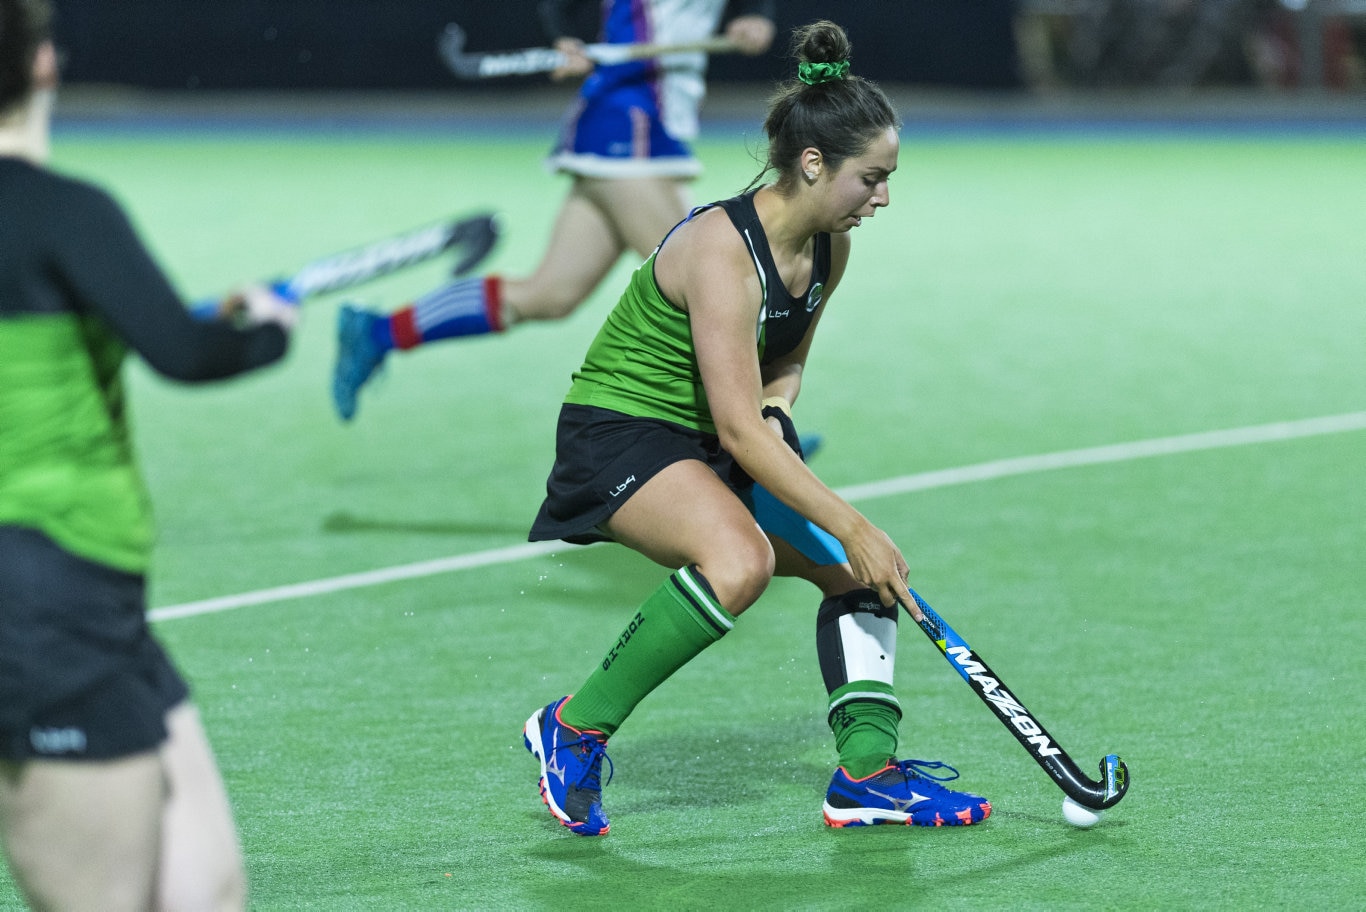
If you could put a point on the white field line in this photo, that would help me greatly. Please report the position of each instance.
(1118, 452)
(358, 580)
(921, 481)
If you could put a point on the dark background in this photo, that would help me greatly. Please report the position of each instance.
(391, 44)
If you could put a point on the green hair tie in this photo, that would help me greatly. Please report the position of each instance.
(817, 73)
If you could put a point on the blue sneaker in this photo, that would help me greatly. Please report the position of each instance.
(358, 357)
(571, 769)
(905, 791)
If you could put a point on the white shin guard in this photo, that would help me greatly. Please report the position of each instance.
(856, 642)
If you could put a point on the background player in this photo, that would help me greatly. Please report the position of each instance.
(625, 146)
(110, 798)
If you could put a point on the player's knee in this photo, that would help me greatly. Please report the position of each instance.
(741, 571)
(553, 301)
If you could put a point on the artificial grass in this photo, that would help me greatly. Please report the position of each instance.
(1198, 614)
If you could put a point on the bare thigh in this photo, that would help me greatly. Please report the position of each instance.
(685, 516)
(583, 247)
(599, 220)
(201, 860)
(153, 830)
(84, 835)
(641, 210)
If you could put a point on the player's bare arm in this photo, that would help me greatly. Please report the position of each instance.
(706, 269)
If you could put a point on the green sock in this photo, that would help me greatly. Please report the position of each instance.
(676, 623)
(864, 717)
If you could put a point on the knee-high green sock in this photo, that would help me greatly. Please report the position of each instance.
(676, 623)
(864, 717)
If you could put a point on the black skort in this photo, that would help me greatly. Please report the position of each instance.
(602, 457)
(81, 677)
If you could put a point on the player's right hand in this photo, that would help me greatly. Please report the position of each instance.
(877, 563)
(751, 35)
(254, 305)
(576, 62)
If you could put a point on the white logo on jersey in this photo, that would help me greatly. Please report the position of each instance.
(813, 297)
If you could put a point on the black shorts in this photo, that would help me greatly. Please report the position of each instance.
(80, 675)
(602, 457)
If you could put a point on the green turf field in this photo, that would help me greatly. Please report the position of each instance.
(1199, 613)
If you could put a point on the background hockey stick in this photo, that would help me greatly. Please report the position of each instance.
(494, 64)
(474, 235)
(1114, 775)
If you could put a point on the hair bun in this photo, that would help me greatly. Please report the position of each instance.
(821, 42)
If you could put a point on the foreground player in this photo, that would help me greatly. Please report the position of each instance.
(676, 408)
(109, 795)
(624, 145)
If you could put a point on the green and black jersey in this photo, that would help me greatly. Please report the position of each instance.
(77, 289)
(642, 362)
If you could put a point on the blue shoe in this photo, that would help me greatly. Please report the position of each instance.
(904, 791)
(358, 357)
(571, 769)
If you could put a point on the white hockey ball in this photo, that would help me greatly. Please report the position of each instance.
(1077, 815)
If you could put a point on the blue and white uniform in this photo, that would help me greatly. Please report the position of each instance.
(636, 119)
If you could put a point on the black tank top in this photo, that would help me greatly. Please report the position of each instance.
(784, 319)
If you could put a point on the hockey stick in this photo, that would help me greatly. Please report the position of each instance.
(1114, 775)
(475, 235)
(491, 65)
